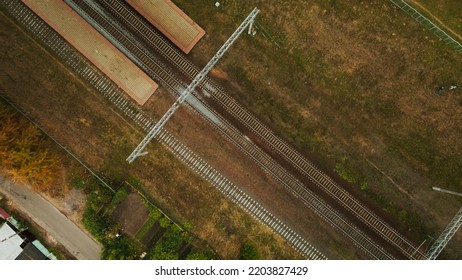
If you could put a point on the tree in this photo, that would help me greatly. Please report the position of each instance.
(23, 153)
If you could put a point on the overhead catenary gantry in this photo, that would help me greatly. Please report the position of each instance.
(448, 233)
(445, 236)
(196, 81)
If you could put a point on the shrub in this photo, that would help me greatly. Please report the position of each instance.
(249, 251)
(120, 248)
(165, 222)
(167, 247)
(155, 214)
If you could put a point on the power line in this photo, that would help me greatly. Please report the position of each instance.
(197, 80)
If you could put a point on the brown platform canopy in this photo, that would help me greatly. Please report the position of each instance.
(95, 47)
(171, 21)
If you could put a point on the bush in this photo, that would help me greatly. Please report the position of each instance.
(120, 248)
(345, 169)
(95, 224)
(249, 251)
(155, 214)
(120, 195)
(167, 247)
(165, 222)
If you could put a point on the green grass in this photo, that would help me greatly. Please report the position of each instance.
(342, 71)
(144, 229)
(448, 11)
(168, 246)
(348, 172)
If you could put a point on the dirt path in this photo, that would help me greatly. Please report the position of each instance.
(441, 23)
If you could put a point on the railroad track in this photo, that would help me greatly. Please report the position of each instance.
(118, 34)
(143, 29)
(74, 60)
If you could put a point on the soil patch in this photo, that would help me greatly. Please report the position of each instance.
(131, 214)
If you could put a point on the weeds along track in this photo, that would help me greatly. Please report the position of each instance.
(116, 32)
(74, 60)
(143, 29)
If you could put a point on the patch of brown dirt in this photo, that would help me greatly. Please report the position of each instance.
(131, 214)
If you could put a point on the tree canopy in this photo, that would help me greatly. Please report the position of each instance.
(23, 153)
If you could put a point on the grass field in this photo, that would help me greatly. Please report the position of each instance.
(357, 81)
(447, 11)
(352, 85)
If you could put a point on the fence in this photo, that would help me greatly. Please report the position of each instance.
(445, 37)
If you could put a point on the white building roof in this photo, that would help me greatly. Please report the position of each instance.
(9, 243)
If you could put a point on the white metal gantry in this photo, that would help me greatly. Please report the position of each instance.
(197, 80)
(444, 238)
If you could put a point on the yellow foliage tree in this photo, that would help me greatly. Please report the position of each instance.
(22, 152)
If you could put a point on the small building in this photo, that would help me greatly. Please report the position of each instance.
(30, 252)
(10, 243)
(3, 214)
(16, 243)
(35, 251)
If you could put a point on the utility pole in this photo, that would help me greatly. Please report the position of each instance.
(197, 80)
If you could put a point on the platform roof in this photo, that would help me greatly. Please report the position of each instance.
(95, 47)
(171, 21)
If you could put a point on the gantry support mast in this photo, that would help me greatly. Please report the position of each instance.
(197, 80)
(444, 238)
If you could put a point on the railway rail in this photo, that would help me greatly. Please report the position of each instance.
(155, 40)
(74, 60)
(118, 34)
(237, 111)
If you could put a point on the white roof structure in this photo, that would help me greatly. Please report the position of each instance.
(9, 243)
